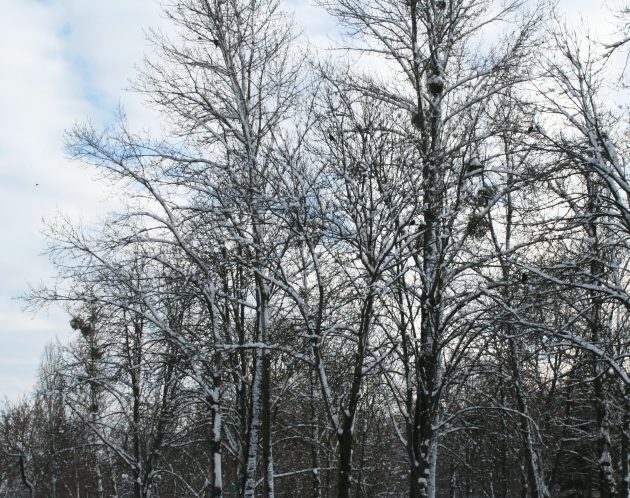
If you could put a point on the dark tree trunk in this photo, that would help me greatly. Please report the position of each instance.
(625, 447)
(315, 462)
(266, 424)
(344, 480)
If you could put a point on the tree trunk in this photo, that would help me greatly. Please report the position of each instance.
(607, 487)
(315, 462)
(433, 453)
(215, 445)
(28, 484)
(598, 336)
(266, 424)
(625, 447)
(257, 386)
(254, 427)
(344, 480)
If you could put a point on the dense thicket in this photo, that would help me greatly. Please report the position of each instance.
(398, 275)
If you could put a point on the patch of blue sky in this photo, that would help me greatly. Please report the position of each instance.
(85, 72)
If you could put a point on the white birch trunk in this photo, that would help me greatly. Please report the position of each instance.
(254, 431)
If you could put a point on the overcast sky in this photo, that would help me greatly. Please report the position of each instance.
(61, 62)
